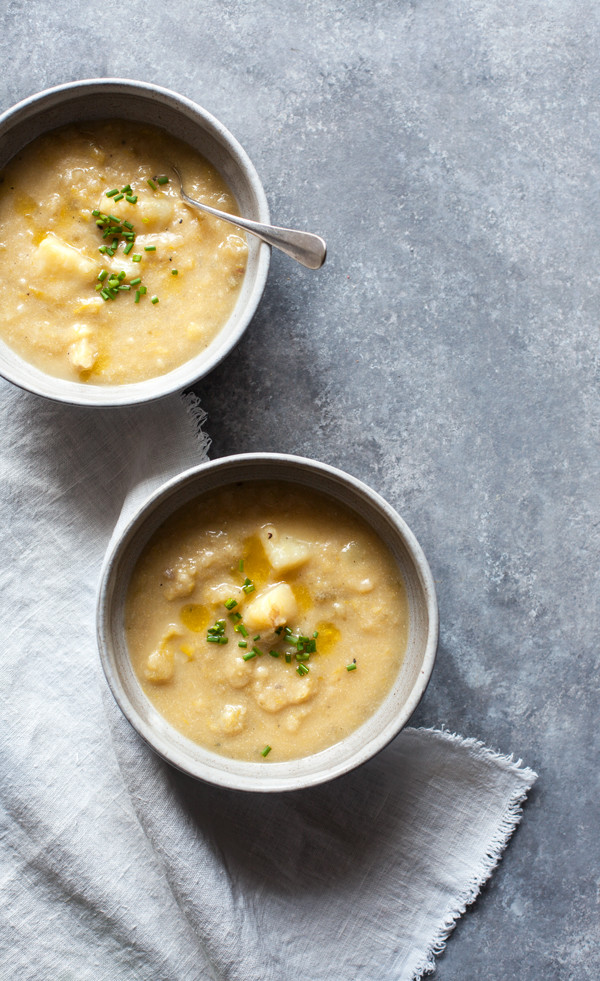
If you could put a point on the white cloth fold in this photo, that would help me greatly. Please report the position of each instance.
(115, 866)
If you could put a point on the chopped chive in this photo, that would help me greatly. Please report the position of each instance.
(149, 248)
(114, 218)
(137, 296)
(240, 629)
(230, 603)
(128, 249)
(249, 656)
(223, 640)
(111, 194)
(274, 653)
(302, 670)
(316, 633)
(96, 213)
(109, 252)
(126, 189)
(98, 286)
(257, 637)
(104, 295)
(248, 585)
(119, 197)
(212, 639)
(102, 274)
(288, 658)
(132, 198)
(235, 617)
(242, 643)
(100, 223)
(122, 274)
(351, 667)
(143, 290)
(102, 249)
(151, 183)
(128, 225)
(136, 257)
(125, 287)
(256, 651)
(288, 632)
(135, 281)
(115, 243)
(154, 299)
(174, 272)
(241, 565)
(266, 751)
(162, 180)
(302, 657)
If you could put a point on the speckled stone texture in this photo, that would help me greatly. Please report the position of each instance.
(447, 353)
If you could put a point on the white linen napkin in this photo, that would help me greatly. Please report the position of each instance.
(114, 865)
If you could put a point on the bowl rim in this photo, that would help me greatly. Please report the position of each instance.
(284, 778)
(30, 378)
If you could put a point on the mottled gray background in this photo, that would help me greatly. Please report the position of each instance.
(447, 353)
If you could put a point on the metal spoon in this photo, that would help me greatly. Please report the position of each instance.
(306, 248)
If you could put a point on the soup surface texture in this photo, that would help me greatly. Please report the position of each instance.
(266, 621)
(115, 287)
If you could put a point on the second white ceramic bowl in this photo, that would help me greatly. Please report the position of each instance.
(110, 98)
(391, 715)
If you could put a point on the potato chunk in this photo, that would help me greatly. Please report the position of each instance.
(160, 665)
(239, 673)
(272, 608)
(154, 211)
(232, 718)
(180, 580)
(82, 354)
(56, 258)
(277, 695)
(283, 551)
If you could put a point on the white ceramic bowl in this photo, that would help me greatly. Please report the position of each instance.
(360, 745)
(110, 98)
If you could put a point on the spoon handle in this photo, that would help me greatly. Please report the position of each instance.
(305, 247)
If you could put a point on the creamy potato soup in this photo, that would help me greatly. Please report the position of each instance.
(106, 276)
(266, 621)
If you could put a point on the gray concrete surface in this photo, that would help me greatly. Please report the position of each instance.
(447, 353)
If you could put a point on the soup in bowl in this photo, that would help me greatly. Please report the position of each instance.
(267, 622)
(114, 291)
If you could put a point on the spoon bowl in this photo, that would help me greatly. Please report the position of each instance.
(308, 249)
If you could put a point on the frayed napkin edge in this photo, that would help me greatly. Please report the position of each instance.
(197, 416)
(513, 812)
